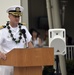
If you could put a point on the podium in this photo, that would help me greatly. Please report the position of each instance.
(29, 61)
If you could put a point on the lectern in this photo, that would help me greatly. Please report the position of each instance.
(29, 61)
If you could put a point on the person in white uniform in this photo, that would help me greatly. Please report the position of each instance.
(13, 35)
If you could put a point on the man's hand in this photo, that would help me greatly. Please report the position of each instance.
(30, 45)
(2, 56)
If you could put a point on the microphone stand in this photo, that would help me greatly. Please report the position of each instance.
(57, 66)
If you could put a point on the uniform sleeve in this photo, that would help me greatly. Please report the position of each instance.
(28, 35)
(1, 37)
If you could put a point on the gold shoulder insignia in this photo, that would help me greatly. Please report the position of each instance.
(24, 24)
(2, 26)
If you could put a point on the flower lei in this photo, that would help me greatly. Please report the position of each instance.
(20, 34)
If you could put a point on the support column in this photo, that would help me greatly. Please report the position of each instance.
(50, 18)
(57, 24)
(24, 18)
(55, 14)
(49, 13)
(62, 65)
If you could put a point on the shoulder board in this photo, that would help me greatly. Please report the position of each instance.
(2, 26)
(24, 24)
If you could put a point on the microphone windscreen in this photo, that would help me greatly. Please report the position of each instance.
(23, 31)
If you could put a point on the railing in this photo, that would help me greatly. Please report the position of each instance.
(70, 52)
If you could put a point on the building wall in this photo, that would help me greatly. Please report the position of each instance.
(69, 18)
(3, 7)
(37, 8)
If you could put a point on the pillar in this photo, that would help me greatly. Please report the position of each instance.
(56, 24)
(24, 18)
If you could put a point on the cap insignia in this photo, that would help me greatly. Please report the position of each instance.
(17, 9)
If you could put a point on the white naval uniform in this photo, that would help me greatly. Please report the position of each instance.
(7, 44)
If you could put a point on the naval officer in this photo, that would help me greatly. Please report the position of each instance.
(13, 35)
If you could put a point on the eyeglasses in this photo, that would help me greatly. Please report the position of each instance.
(17, 16)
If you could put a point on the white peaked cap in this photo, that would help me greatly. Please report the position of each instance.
(13, 8)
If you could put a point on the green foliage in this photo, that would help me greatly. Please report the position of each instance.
(48, 70)
(70, 67)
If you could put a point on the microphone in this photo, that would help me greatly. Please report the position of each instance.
(23, 32)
